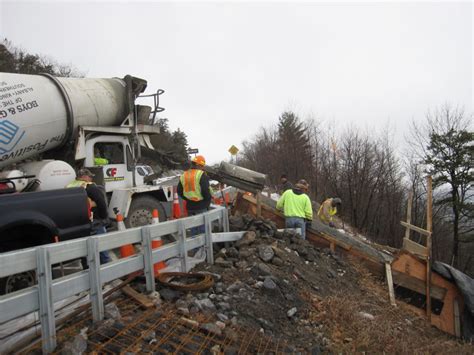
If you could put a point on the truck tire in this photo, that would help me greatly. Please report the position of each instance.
(17, 282)
(141, 211)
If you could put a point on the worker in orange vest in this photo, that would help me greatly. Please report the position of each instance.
(193, 187)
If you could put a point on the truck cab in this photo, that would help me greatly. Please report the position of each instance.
(131, 188)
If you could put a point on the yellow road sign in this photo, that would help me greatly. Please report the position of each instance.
(233, 150)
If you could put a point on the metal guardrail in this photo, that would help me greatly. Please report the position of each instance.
(42, 296)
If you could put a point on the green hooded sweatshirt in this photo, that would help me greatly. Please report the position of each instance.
(295, 204)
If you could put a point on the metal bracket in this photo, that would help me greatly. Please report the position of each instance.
(45, 300)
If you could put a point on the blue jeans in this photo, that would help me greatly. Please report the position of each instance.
(296, 222)
(103, 255)
(199, 229)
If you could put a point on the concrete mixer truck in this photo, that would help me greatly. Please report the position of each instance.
(50, 126)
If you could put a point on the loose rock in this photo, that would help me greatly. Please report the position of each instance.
(212, 328)
(366, 316)
(291, 312)
(111, 311)
(247, 239)
(269, 284)
(265, 252)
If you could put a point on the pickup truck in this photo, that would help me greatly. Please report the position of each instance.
(35, 218)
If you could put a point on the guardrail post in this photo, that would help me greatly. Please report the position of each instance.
(148, 259)
(226, 220)
(95, 282)
(46, 306)
(221, 220)
(209, 248)
(182, 246)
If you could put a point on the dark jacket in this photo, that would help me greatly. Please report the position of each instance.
(206, 194)
(97, 195)
(286, 186)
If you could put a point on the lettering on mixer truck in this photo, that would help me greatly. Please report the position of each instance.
(38, 147)
(10, 95)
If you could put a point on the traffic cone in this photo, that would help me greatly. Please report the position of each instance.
(156, 216)
(128, 249)
(156, 243)
(176, 208)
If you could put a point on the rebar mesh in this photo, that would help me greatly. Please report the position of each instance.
(162, 331)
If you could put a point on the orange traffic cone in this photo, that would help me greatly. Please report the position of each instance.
(156, 216)
(156, 243)
(176, 208)
(128, 249)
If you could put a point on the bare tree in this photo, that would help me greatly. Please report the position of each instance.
(444, 144)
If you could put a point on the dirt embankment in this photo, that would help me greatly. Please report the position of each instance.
(275, 286)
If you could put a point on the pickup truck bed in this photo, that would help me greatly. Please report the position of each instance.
(35, 218)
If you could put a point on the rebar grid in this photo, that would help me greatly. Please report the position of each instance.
(162, 331)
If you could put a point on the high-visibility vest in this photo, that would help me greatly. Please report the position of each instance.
(100, 161)
(332, 211)
(78, 183)
(190, 181)
(83, 184)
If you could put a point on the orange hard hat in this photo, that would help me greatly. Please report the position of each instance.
(199, 160)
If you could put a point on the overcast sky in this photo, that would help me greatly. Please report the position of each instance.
(230, 67)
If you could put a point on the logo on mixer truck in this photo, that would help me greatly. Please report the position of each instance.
(111, 175)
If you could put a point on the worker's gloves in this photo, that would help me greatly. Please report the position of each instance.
(308, 223)
(332, 225)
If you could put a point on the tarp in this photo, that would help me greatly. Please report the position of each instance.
(466, 286)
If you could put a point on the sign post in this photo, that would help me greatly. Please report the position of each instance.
(233, 150)
(192, 151)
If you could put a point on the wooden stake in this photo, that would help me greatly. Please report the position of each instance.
(410, 201)
(391, 292)
(139, 297)
(429, 228)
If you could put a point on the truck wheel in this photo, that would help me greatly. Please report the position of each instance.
(141, 211)
(17, 282)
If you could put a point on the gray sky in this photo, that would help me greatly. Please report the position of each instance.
(230, 67)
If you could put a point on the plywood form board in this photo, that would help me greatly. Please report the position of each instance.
(415, 248)
(411, 267)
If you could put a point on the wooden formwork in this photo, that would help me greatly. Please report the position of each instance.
(407, 269)
(409, 272)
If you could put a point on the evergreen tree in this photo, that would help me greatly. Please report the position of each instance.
(294, 146)
(450, 157)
